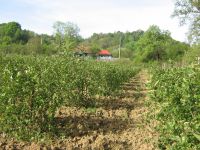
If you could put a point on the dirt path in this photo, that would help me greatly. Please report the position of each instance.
(117, 124)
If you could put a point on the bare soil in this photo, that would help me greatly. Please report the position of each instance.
(117, 123)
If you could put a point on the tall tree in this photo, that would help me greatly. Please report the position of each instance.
(158, 45)
(188, 11)
(11, 32)
(151, 45)
(66, 35)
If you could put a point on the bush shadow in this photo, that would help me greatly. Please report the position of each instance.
(73, 126)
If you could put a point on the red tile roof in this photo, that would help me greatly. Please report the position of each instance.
(104, 52)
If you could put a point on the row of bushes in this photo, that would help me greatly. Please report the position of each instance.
(33, 88)
(177, 93)
(28, 49)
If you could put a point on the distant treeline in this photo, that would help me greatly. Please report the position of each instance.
(154, 44)
(141, 46)
(15, 40)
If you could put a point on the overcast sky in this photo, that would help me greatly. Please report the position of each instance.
(93, 16)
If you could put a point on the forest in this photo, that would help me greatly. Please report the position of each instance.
(141, 46)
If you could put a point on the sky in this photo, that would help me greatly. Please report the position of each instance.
(93, 16)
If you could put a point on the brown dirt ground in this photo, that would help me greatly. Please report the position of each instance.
(118, 123)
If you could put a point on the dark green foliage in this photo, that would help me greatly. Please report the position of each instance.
(140, 46)
(33, 88)
(157, 45)
(111, 41)
(14, 40)
(192, 54)
(12, 33)
(176, 50)
(177, 92)
(31, 91)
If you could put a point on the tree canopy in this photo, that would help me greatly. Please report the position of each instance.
(188, 12)
(157, 44)
(111, 41)
(66, 35)
(12, 33)
(153, 45)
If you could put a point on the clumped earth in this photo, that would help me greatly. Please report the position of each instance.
(117, 123)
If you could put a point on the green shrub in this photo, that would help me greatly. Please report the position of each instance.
(177, 91)
(33, 88)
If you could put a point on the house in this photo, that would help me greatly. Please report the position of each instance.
(104, 55)
(85, 55)
(83, 51)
